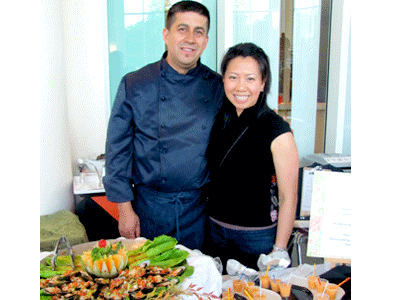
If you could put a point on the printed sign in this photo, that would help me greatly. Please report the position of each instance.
(330, 219)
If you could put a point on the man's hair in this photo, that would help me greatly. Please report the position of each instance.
(187, 6)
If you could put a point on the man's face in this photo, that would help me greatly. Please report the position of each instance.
(186, 40)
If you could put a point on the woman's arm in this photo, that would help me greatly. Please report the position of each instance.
(286, 162)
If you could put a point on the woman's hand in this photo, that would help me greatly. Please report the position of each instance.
(274, 258)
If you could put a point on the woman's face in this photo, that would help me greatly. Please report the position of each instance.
(243, 82)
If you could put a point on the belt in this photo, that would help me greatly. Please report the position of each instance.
(237, 227)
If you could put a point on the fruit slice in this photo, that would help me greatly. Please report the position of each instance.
(109, 264)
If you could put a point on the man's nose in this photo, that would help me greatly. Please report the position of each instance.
(189, 36)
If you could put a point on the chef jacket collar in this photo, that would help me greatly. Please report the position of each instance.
(165, 67)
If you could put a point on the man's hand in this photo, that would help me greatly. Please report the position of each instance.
(129, 222)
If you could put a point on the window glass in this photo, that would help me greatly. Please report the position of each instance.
(135, 36)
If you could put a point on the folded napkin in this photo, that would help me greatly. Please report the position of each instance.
(62, 223)
(205, 274)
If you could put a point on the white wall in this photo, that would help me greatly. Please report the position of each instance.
(74, 84)
(55, 149)
(85, 31)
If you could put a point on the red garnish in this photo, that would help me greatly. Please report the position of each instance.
(102, 243)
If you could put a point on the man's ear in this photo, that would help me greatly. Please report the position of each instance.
(165, 34)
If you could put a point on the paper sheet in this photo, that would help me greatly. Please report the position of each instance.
(330, 221)
(306, 192)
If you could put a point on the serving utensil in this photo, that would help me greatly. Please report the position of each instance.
(62, 240)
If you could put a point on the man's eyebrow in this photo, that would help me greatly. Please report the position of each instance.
(200, 28)
(196, 28)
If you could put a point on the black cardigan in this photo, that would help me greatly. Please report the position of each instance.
(241, 165)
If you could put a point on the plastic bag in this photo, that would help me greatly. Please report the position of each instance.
(235, 268)
(218, 264)
(275, 259)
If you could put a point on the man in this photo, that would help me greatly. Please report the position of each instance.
(158, 134)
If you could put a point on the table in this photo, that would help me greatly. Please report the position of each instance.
(87, 183)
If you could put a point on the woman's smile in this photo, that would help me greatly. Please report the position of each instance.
(243, 82)
(241, 98)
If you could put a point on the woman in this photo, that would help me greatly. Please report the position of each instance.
(250, 146)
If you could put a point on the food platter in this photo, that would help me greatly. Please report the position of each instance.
(184, 276)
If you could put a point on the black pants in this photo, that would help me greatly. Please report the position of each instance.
(98, 223)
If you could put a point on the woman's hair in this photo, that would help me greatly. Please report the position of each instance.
(187, 6)
(252, 50)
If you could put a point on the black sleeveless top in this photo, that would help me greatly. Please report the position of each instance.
(241, 165)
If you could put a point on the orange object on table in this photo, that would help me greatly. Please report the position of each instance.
(265, 282)
(253, 290)
(285, 289)
(238, 285)
(275, 285)
(321, 285)
(331, 290)
(110, 207)
(312, 282)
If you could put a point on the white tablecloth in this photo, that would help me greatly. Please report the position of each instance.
(205, 273)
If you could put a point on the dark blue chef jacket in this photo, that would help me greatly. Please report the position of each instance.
(157, 137)
(159, 130)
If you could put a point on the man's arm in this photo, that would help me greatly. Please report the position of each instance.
(119, 162)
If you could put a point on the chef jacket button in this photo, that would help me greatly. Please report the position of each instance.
(164, 180)
(203, 127)
(206, 101)
(201, 154)
(163, 98)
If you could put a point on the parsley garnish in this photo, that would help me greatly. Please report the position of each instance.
(98, 253)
